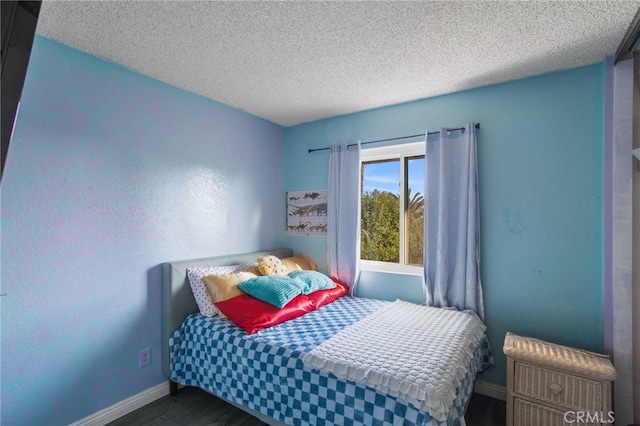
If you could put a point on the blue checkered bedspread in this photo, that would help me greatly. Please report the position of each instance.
(265, 372)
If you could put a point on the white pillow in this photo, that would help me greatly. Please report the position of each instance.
(199, 288)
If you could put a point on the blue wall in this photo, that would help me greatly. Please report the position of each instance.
(541, 173)
(109, 174)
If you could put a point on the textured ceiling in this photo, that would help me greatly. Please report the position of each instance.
(293, 62)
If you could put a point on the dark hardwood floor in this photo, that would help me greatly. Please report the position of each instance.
(486, 411)
(195, 407)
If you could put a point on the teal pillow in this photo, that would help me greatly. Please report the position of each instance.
(311, 281)
(277, 290)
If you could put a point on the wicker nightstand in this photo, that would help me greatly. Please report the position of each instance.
(550, 384)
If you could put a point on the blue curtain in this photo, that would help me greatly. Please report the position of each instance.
(452, 224)
(343, 214)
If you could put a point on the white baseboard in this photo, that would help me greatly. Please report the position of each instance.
(125, 406)
(490, 390)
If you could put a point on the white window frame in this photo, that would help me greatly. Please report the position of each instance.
(393, 152)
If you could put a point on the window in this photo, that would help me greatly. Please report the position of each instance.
(392, 208)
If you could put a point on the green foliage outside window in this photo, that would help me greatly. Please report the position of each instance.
(380, 227)
(415, 229)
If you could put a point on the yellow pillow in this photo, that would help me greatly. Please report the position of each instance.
(225, 286)
(272, 265)
(255, 270)
(301, 262)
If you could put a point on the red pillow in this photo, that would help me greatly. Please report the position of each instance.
(253, 315)
(322, 297)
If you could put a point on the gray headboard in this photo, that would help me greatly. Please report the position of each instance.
(177, 299)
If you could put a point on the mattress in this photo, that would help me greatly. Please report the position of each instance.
(265, 372)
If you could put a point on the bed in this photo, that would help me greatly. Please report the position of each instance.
(277, 374)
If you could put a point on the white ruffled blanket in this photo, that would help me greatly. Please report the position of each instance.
(413, 352)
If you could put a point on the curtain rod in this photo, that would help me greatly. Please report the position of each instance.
(310, 150)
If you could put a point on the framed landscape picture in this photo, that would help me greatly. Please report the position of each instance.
(307, 213)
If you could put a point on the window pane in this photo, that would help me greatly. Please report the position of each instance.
(414, 222)
(380, 220)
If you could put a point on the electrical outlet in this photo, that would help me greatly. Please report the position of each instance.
(145, 357)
